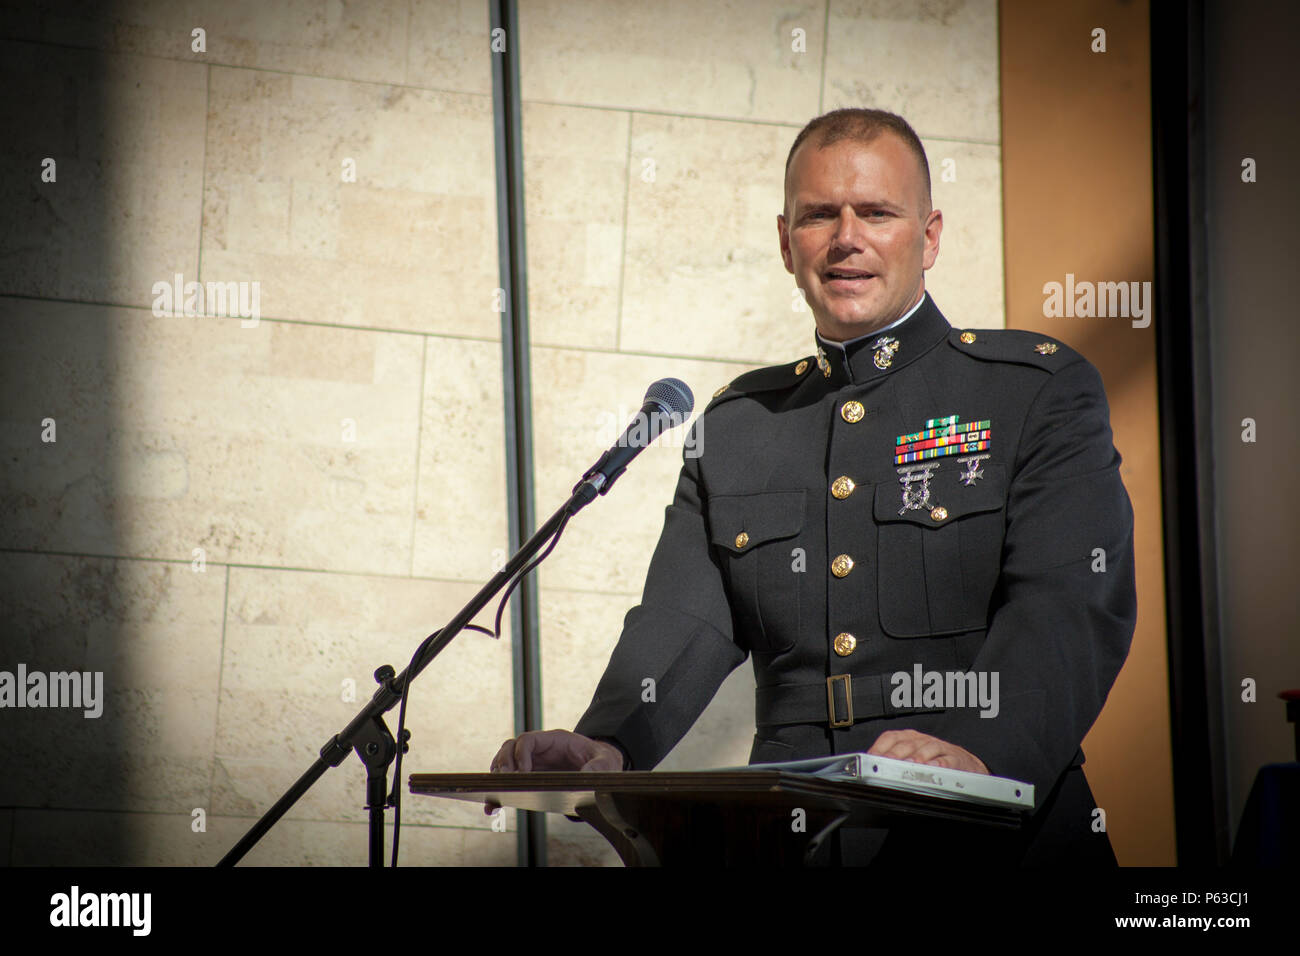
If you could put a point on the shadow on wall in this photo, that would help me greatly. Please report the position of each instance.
(68, 722)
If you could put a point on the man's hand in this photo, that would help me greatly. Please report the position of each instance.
(554, 750)
(922, 748)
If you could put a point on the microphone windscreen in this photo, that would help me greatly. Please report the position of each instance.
(672, 395)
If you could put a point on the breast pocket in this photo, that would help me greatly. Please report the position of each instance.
(938, 568)
(756, 535)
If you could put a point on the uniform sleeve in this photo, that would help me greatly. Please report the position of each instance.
(676, 647)
(1059, 626)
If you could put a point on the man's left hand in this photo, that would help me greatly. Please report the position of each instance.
(922, 748)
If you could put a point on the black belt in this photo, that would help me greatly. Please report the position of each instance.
(856, 698)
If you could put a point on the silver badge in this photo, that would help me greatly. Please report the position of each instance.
(973, 469)
(823, 362)
(885, 347)
(915, 498)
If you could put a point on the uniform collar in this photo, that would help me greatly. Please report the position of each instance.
(883, 352)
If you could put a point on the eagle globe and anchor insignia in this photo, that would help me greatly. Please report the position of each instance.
(885, 347)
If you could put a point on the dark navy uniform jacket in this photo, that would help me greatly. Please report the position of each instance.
(794, 538)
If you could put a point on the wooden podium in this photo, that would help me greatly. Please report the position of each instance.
(713, 817)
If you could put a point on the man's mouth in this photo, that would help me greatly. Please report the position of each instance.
(847, 279)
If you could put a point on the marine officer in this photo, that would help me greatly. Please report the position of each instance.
(911, 499)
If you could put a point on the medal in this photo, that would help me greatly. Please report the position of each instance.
(973, 470)
(915, 498)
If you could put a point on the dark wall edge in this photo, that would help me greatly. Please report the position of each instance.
(1178, 115)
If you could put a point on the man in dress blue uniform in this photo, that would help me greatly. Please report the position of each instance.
(911, 499)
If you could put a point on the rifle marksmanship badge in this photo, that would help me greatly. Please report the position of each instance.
(944, 436)
(915, 480)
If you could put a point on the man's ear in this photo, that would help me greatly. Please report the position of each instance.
(783, 235)
(933, 228)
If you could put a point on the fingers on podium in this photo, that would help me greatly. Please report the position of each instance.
(505, 757)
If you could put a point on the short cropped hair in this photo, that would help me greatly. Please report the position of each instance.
(864, 126)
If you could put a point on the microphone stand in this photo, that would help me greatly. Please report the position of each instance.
(367, 734)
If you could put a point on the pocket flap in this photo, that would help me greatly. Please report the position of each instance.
(739, 522)
(987, 493)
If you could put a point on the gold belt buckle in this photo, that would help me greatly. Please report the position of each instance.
(848, 699)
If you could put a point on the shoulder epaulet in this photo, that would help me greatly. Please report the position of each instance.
(1014, 345)
(765, 380)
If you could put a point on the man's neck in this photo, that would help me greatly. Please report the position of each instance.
(892, 325)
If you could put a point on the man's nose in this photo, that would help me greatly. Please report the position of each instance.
(848, 231)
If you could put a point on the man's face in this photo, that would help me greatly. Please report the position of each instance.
(859, 234)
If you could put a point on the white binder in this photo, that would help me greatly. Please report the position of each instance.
(890, 774)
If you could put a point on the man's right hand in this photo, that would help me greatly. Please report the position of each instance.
(554, 750)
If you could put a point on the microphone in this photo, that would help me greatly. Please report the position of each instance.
(668, 403)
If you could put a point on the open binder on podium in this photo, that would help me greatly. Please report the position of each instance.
(903, 775)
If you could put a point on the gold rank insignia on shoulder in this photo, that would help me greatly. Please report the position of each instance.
(968, 337)
(1046, 348)
(801, 367)
(943, 436)
(886, 347)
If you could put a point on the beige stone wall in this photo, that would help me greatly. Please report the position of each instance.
(237, 520)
